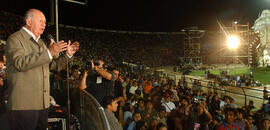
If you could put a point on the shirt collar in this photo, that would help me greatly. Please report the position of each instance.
(30, 33)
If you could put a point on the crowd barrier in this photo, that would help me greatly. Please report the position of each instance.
(239, 93)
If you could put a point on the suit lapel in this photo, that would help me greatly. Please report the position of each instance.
(36, 46)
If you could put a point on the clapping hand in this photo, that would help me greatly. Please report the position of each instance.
(56, 48)
(72, 47)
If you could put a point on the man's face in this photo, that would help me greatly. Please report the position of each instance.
(184, 102)
(116, 73)
(230, 117)
(141, 104)
(199, 110)
(137, 117)
(250, 119)
(113, 106)
(162, 114)
(168, 99)
(239, 115)
(36, 23)
(149, 105)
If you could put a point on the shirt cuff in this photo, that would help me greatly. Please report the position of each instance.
(68, 55)
(50, 55)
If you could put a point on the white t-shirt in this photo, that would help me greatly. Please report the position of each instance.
(169, 106)
(132, 89)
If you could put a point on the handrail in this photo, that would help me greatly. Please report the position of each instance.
(233, 92)
(97, 118)
(230, 91)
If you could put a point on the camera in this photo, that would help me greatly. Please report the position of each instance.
(195, 101)
(88, 65)
(96, 62)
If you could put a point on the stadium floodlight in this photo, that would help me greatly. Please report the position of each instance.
(233, 42)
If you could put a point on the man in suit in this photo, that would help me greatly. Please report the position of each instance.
(28, 61)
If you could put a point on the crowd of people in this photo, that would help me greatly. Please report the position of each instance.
(135, 100)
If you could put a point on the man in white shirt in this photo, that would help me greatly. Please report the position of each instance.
(168, 104)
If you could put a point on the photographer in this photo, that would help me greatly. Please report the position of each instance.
(198, 116)
(98, 81)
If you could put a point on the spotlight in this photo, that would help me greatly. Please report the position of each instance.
(233, 42)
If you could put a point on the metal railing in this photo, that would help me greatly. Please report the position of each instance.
(90, 112)
(246, 93)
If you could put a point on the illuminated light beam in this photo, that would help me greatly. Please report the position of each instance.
(223, 29)
(233, 42)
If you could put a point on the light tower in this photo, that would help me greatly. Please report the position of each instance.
(262, 26)
(234, 44)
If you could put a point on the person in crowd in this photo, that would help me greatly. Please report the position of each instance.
(214, 108)
(134, 87)
(267, 106)
(168, 104)
(228, 122)
(119, 89)
(141, 125)
(250, 120)
(140, 106)
(213, 124)
(110, 105)
(136, 118)
(178, 115)
(149, 113)
(265, 93)
(128, 86)
(198, 116)
(226, 101)
(100, 82)
(250, 107)
(241, 122)
(125, 82)
(232, 103)
(161, 126)
(148, 87)
(265, 124)
(174, 95)
(198, 95)
(153, 123)
(128, 110)
(162, 116)
(28, 61)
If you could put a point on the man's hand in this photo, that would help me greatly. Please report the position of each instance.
(92, 64)
(72, 48)
(85, 73)
(57, 47)
(119, 99)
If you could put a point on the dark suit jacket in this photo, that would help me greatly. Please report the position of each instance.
(27, 72)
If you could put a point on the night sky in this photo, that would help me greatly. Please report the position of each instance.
(147, 15)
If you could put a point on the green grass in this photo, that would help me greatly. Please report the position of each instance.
(261, 74)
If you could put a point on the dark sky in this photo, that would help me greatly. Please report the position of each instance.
(147, 15)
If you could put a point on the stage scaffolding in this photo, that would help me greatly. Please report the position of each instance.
(243, 54)
(192, 45)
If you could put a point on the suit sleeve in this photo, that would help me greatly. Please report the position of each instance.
(23, 61)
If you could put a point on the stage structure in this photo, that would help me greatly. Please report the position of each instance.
(192, 45)
(235, 54)
(262, 27)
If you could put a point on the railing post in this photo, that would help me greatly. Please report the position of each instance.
(245, 96)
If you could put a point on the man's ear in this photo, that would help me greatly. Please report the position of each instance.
(28, 22)
(109, 106)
